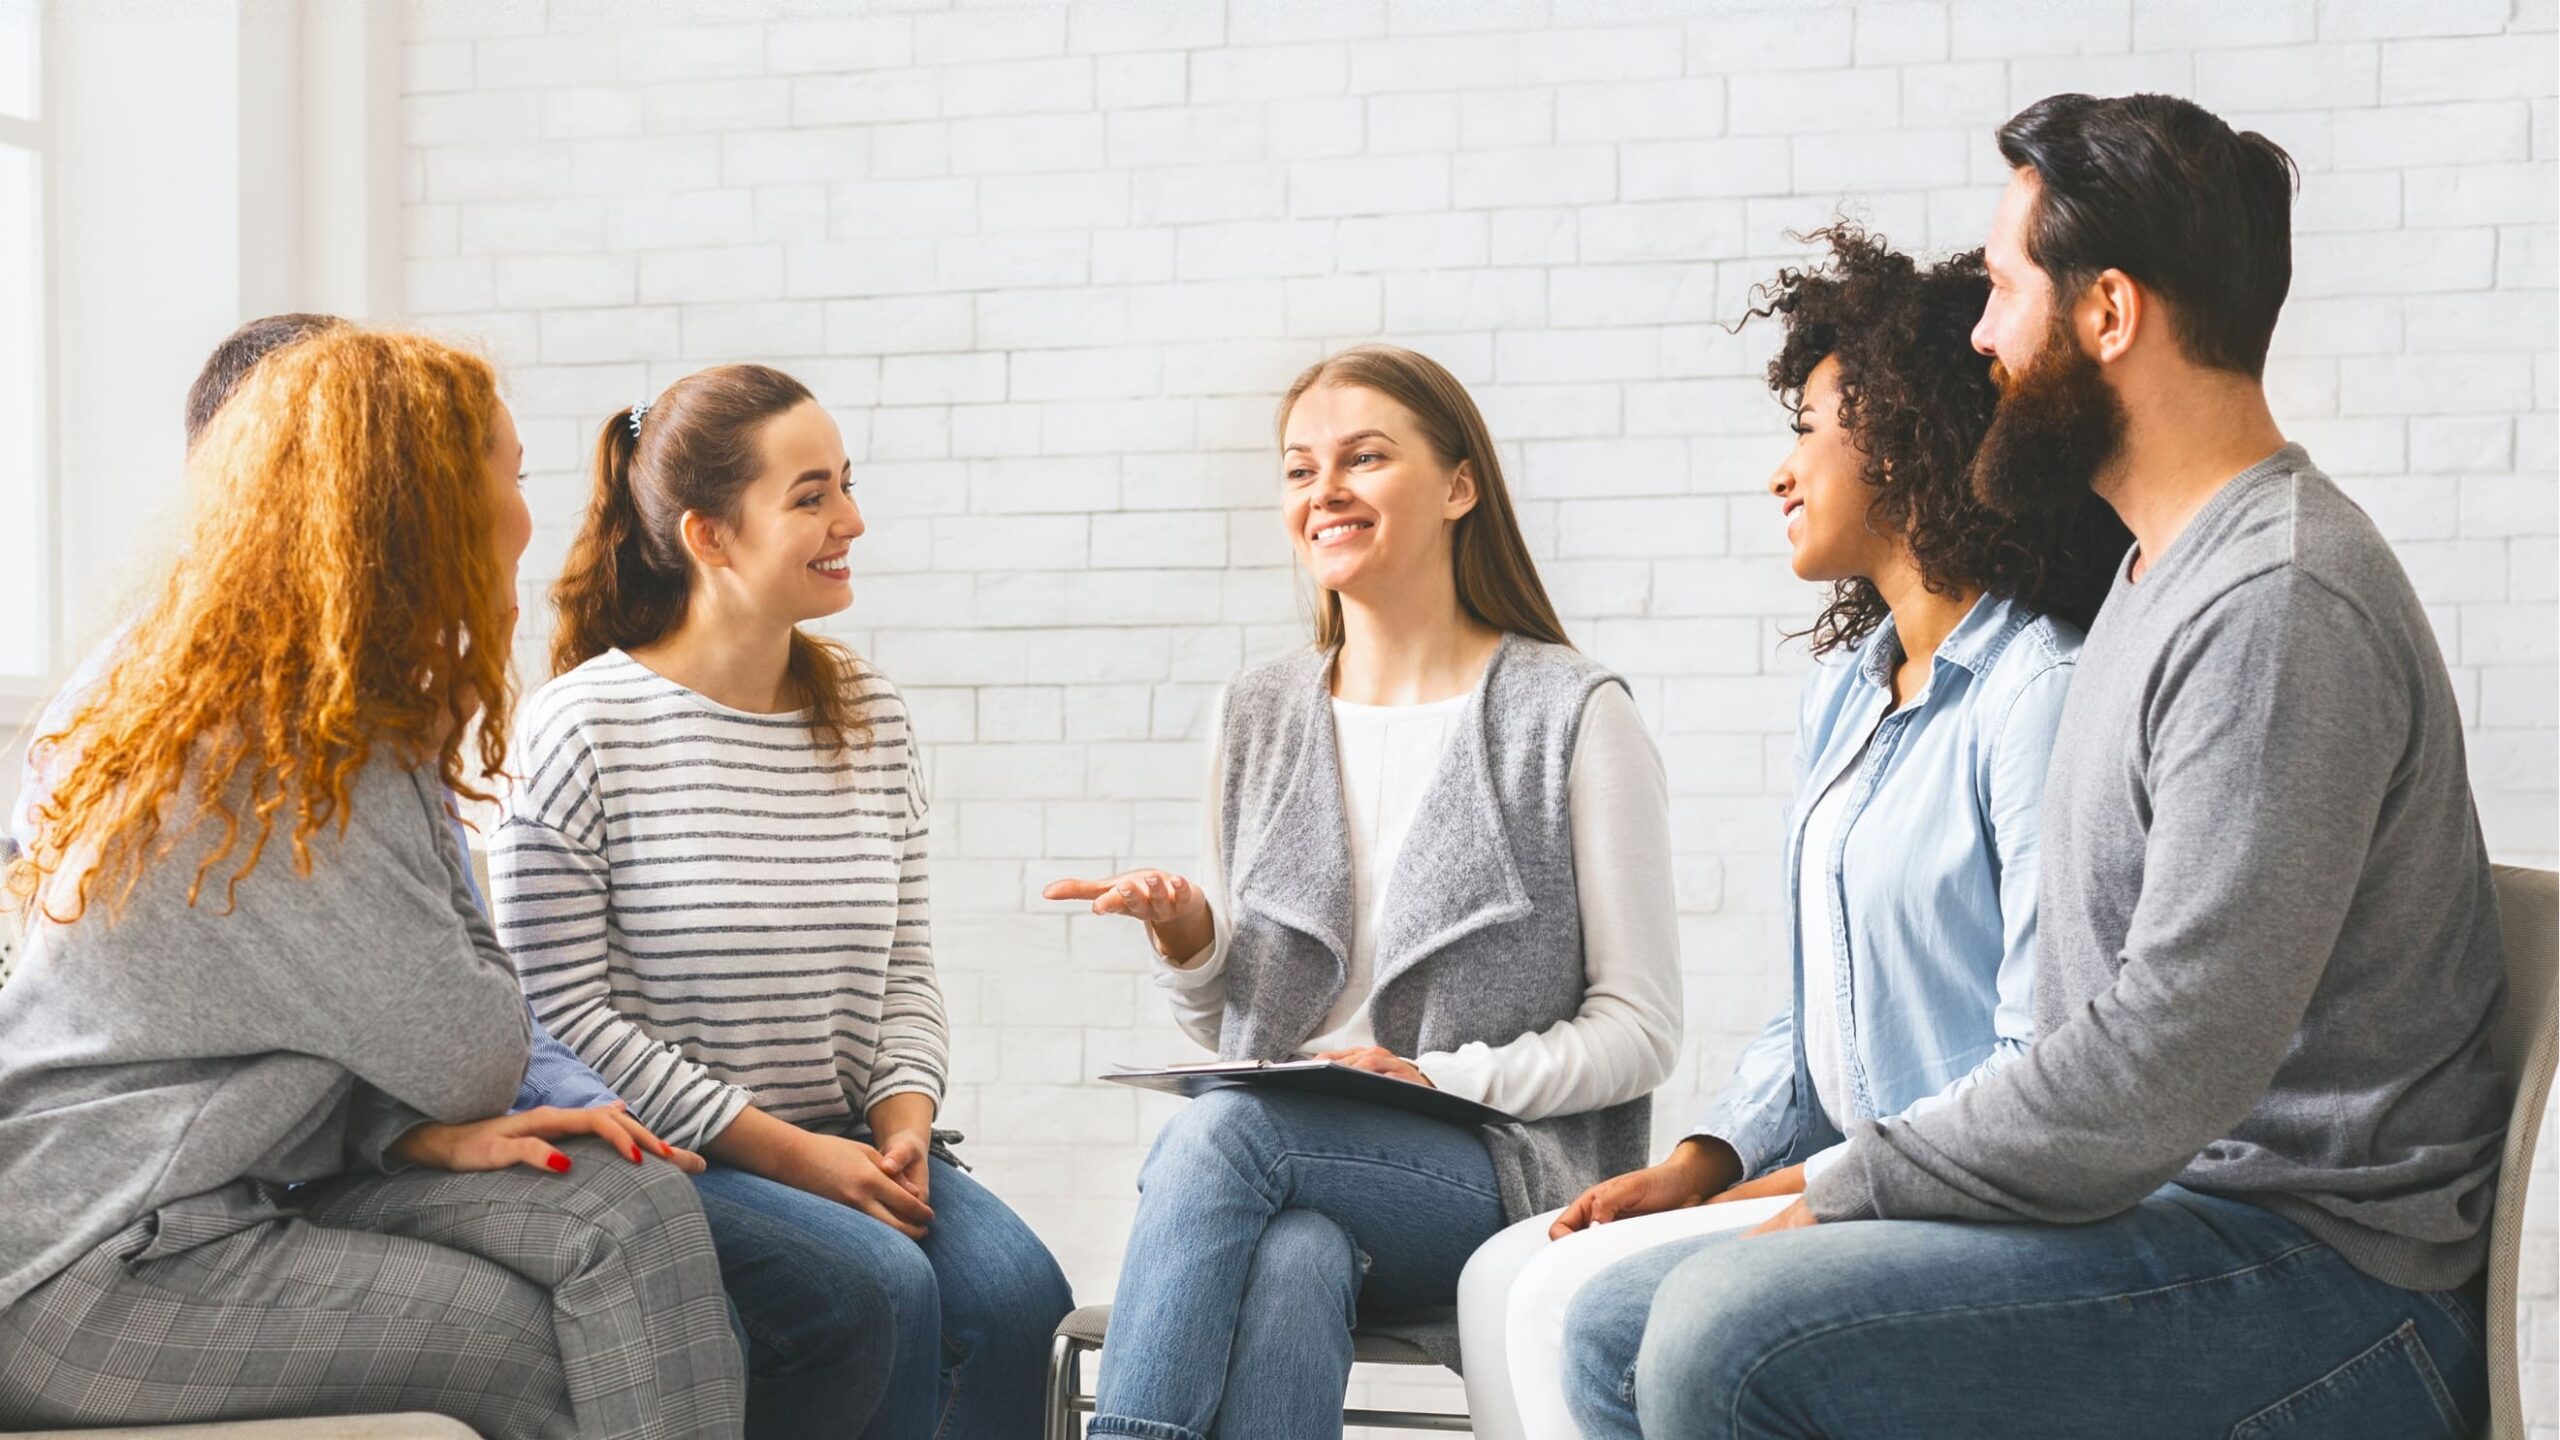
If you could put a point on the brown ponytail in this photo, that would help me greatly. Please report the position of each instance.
(627, 582)
(612, 594)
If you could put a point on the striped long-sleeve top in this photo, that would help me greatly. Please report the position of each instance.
(712, 909)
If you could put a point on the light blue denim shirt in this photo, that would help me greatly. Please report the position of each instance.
(1931, 879)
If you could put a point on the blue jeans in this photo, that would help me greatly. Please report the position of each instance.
(854, 1329)
(2188, 1315)
(1264, 1221)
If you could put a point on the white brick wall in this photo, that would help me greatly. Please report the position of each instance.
(1051, 269)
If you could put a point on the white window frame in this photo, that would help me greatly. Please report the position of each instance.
(23, 692)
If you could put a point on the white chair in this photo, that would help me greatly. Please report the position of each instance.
(2526, 1045)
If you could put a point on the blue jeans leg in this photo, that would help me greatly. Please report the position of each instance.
(1263, 1220)
(852, 1328)
(1002, 1298)
(841, 1313)
(1293, 1334)
(2188, 1315)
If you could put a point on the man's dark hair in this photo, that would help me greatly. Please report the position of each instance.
(1916, 400)
(2161, 189)
(238, 354)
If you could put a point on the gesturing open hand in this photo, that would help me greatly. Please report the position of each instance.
(1175, 912)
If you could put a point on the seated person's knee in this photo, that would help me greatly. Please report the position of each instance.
(1218, 1127)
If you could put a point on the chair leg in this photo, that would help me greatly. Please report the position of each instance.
(1063, 1382)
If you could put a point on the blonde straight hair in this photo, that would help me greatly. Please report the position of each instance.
(1497, 582)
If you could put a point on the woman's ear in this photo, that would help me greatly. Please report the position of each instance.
(703, 540)
(1463, 492)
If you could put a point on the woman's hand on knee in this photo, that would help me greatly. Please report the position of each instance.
(1175, 912)
(524, 1138)
(1697, 1171)
(1379, 1062)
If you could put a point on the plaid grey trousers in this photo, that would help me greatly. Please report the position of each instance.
(519, 1302)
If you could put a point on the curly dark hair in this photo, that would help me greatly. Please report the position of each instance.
(1916, 400)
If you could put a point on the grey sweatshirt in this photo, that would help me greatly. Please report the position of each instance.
(2269, 950)
(187, 1062)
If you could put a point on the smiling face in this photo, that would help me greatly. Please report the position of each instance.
(1822, 489)
(787, 547)
(1370, 507)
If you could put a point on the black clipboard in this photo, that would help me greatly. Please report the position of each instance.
(1311, 1077)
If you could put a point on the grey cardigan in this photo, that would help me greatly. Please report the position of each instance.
(1485, 940)
(191, 1061)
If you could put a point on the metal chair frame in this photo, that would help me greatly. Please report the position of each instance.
(1068, 1400)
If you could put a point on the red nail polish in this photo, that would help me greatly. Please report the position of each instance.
(635, 1154)
(559, 1163)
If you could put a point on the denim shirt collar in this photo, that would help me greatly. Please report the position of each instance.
(1974, 646)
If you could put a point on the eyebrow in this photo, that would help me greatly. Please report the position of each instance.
(821, 477)
(1347, 439)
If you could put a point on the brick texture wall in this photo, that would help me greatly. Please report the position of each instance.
(1050, 268)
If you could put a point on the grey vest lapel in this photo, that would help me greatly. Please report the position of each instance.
(1297, 871)
(1485, 883)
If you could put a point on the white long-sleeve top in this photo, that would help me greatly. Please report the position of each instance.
(713, 911)
(1622, 1042)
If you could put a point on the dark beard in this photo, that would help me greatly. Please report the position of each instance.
(2058, 423)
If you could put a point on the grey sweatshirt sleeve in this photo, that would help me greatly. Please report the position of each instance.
(375, 960)
(376, 1120)
(375, 1123)
(2279, 692)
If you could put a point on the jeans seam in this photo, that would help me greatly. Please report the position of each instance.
(784, 1354)
(1286, 1156)
(1136, 1429)
(1283, 1153)
(2460, 1317)
(1742, 1385)
(951, 1397)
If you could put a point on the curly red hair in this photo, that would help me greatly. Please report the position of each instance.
(339, 594)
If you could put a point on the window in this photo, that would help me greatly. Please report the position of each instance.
(26, 520)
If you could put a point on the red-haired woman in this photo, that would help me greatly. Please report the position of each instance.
(254, 966)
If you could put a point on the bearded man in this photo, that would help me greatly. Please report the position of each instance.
(2240, 1184)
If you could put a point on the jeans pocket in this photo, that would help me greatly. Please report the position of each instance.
(2392, 1391)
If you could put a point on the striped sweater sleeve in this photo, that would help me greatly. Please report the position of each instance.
(551, 882)
(915, 1040)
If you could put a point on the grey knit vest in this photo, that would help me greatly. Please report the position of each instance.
(1483, 937)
